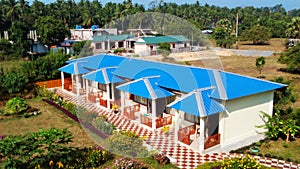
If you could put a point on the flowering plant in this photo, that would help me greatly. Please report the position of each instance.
(126, 163)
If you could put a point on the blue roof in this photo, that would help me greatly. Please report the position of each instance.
(103, 75)
(96, 62)
(198, 103)
(71, 68)
(186, 78)
(145, 87)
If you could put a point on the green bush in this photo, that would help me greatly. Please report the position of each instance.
(104, 126)
(209, 165)
(15, 105)
(241, 162)
(34, 149)
(126, 143)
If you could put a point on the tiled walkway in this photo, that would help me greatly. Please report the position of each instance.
(185, 158)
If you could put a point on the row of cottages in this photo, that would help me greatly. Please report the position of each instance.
(208, 109)
(142, 46)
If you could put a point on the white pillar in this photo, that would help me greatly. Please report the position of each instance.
(77, 84)
(202, 126)
(87, 88)
(177, 120)
(108, 95)
(153, 108)
(122, 102)
(113, 91)
(221, 127)
(62, 80)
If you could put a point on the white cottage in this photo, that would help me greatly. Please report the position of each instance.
(210, 110)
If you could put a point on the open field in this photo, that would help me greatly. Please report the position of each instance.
(49, 118)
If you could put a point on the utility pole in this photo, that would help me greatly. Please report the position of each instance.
(237, 28)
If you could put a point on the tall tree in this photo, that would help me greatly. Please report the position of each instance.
(51, 31)
(293, 30)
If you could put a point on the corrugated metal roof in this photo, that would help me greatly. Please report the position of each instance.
(96, 62)
(103, 75)
(186, 78)
(112, 38)
(162, 39)
(71, 68)
(145, 87)
(198, 103)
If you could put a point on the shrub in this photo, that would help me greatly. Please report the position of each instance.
(210, 165)
(33, 149)
(240, 162)
(126, 143)
(104, 126)
(16, 105)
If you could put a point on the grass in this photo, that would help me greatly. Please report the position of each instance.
(49, 118)
(8, 65)
(288, 151)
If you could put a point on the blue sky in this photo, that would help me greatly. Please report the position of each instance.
(287, 4)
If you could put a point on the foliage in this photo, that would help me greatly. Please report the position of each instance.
(51, 31)
(257, 34)
(32, 149)
(164, 48)
(104, 126)
(209, 165)
(13, 82)
(240, 162)
(284, 97)
(82, 49)
(16, 105)
(126, 143)
(127, 163)
(276, 125)
(293, 30)
(223, 34)
(259, 63)
(6, 50)
(291, 57)
(18, 34)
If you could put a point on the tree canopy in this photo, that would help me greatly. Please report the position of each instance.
(257, 34)
(291, 58)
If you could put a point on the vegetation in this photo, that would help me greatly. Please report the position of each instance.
(237, 162)
(164, 49)
(276, 126)
(259, 63)
(291, 58)
(223, 34)
(257, 34)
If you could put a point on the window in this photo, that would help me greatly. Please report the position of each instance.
(191, 118)
(173, 45)
(102, 86)
(140, 100)
(151, 47)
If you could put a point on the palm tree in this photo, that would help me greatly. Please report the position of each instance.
(12, 10)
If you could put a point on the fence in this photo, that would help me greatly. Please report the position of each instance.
(55, 83)
(184, 134)
(160, 122)
(129, 112)
(212, 141)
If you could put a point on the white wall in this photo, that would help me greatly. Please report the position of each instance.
(243, 115)
(142, 49)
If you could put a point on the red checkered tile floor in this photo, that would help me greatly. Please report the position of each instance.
(164, 142)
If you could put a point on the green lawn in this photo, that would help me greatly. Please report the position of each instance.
(51, 117)
(8, 65)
